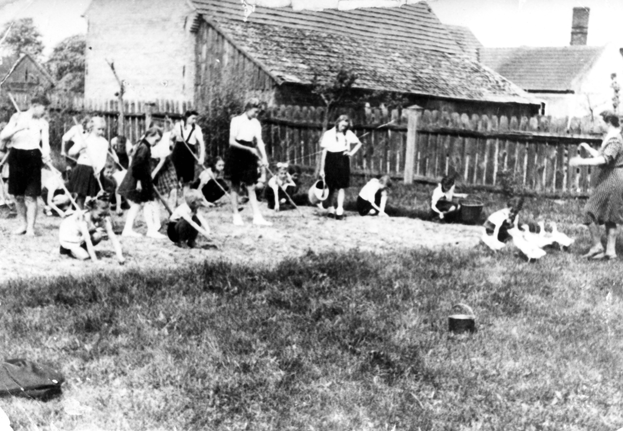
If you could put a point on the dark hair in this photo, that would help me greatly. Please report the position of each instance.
(153, 131)
(344, 117)
(294, 169)
(190, 113)
(121, 139)
(214, 161)
(102, 197)
(611, 118)
(40, 100)
(447, 182)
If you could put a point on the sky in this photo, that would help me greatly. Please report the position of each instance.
(494, 22)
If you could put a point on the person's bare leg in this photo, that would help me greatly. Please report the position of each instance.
(31, 215)
(234, 204)
(20, 207)
(612, 233)
(258, 219)
(128, 230)
(596, 246)
(341, 196)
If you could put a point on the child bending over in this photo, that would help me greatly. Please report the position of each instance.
(211, 182)
(372, 198)
(275, 195)
(500, 222)
(80, 232)
(442, 204)
(185, 223)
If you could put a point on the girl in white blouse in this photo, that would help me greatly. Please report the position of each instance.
(28, 133)
(335, 162)
(245, 156)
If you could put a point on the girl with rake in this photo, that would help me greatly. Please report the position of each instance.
(91, 154)
(138, 188)
(246, 148)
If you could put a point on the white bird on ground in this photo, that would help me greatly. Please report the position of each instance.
(560, 238)
(530, 250)
(492, 242)
(538, 239)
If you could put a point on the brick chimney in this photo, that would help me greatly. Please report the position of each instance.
(579, 25)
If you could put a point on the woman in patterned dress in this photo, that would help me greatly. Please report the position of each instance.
(605, 206)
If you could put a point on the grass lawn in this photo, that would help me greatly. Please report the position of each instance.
(327, 340)
(336, 341)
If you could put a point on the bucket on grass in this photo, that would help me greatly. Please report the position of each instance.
(462, 320)
(471, 211)
(318, 192)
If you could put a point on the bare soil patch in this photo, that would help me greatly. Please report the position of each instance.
(291, 235)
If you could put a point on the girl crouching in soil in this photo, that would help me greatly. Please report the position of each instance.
(80, 232)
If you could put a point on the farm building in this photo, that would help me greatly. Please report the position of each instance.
(26, 75)
(466, 40)
(195, 50)
(571, 80)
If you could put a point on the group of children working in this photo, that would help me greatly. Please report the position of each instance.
(153, 169)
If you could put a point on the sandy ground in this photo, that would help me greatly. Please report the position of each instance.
(291, 235)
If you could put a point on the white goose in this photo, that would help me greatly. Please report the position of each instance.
(560, 238)
(539, 240)
(530, 250)
(492, 242)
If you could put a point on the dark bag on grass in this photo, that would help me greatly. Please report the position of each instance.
(23, 378)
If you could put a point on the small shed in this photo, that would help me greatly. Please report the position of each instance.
(27, 76)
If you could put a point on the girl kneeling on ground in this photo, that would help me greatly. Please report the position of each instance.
(185, 223)
(442, 204)
(278, 186)
(80, 232)
(372, 198)
(211, 183)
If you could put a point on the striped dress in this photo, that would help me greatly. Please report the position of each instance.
(606, 202)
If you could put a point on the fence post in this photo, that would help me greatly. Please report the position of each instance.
(412, 115)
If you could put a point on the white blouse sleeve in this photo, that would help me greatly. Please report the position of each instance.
(328, 138)
(234, 128)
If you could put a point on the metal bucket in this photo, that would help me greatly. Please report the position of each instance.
(318, 192)
(463, 320)
(470, 211)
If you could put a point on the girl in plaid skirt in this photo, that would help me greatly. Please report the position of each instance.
(163, 170)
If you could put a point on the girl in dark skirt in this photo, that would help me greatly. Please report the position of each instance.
(443, 206)
(28, 133)
(138, 188)
(605, 205)
(211, 183)
(92, 153)
(246, 154)
(187, 141)
(335, 162)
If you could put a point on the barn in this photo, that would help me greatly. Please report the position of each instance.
(193, 50)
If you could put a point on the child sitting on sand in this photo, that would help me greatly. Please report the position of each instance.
(185, 223)
(500, 222)
(442, 204)
(80, 232)
(277, 188)
(372, 198)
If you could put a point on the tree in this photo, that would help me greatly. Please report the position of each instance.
(67, 64)
(22, 37)
(334, 92)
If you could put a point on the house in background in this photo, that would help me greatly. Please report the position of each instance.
(26, 76)
(196, 50)
(572, 81)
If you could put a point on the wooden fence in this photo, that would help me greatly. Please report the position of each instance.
(535, 151)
